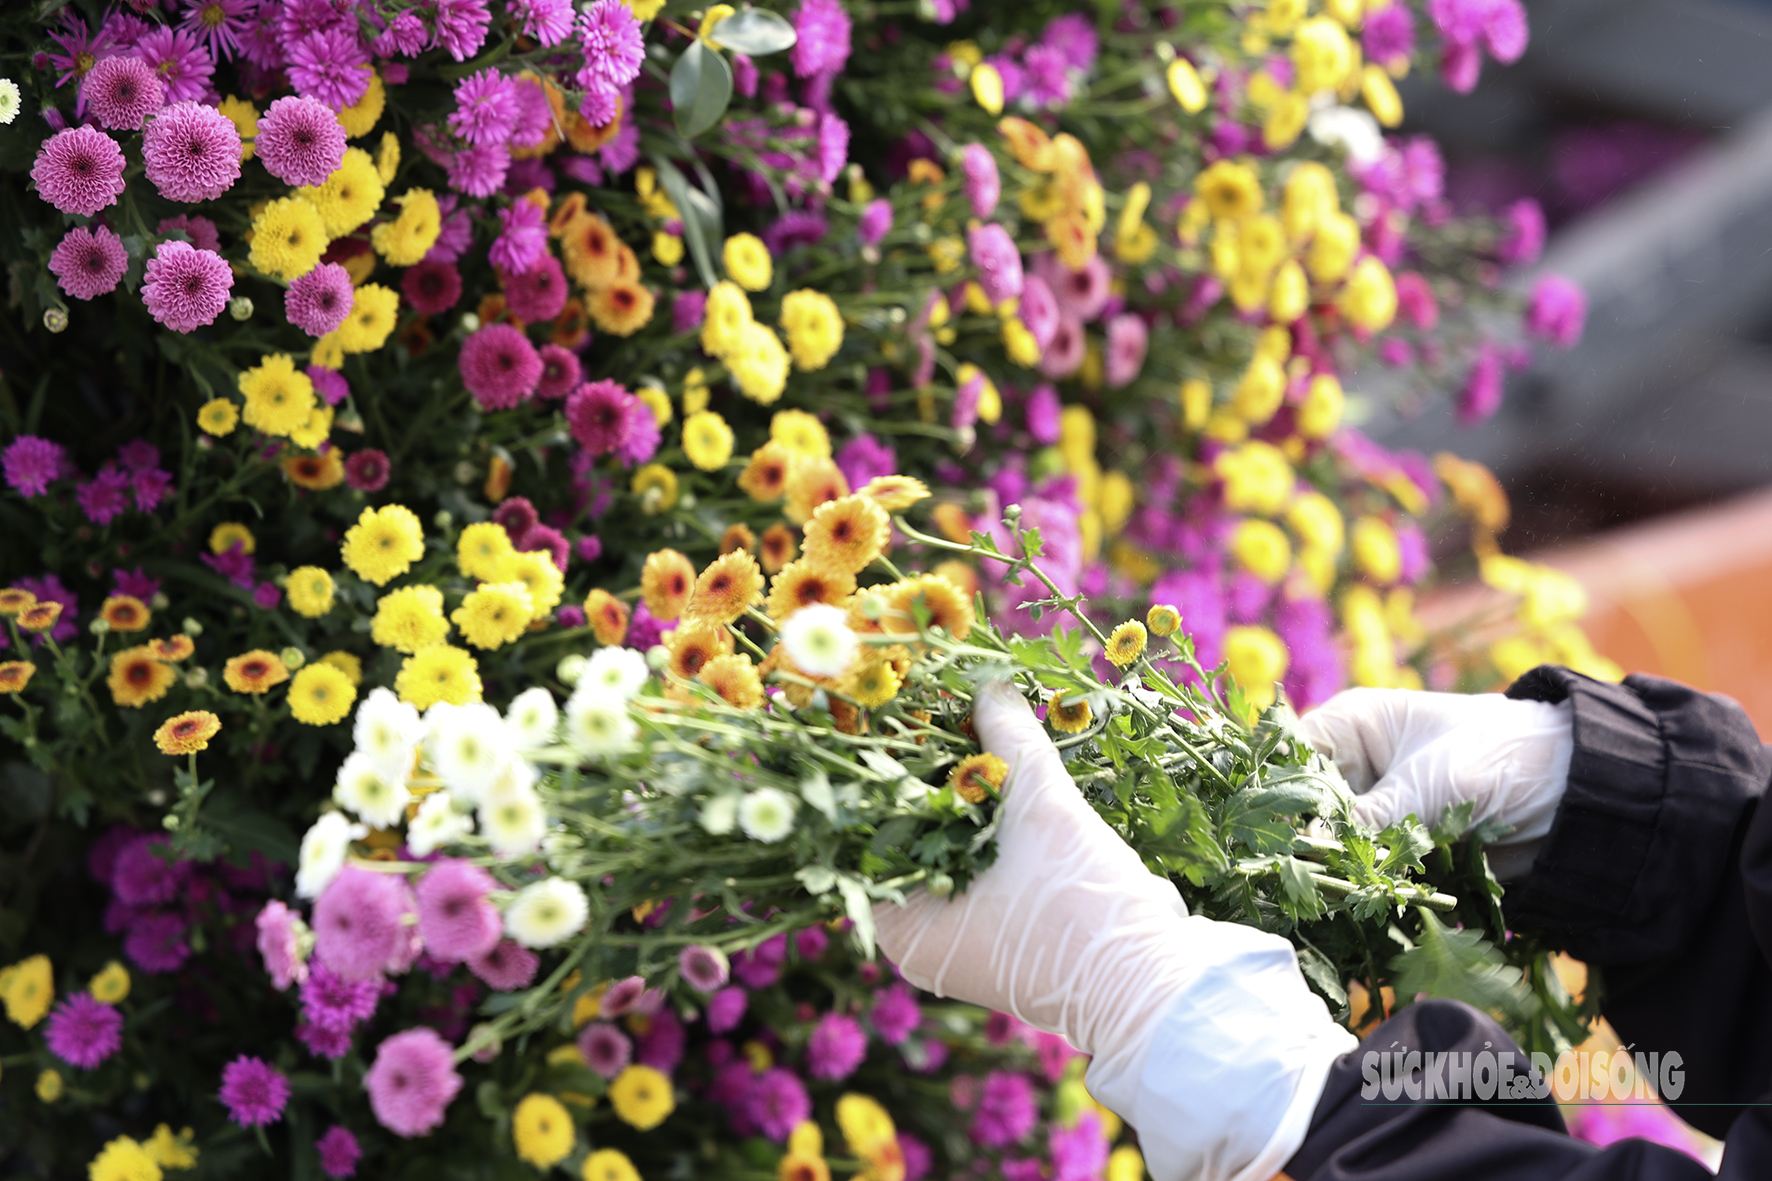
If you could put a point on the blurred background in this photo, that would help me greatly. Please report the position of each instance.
(1641, 460)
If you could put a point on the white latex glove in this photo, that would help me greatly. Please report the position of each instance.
(1205, 1036)
(1405, 751)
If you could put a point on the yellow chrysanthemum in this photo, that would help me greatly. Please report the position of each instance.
(187, 733)
(1375, 550)
(383, 544)
(1162, 619)
(320, 695)
(1261, 548)
(123, 1159)
(814, 327)
(747, 262)
(693, 644)
(483, 549)
(409, 619)
(288, 238)
(610, 1164)
(348, 664)
(872, 684)
(667, 580)
(495, 614)
(765, 476)
(50, 1086)
(15, 675)
(656, 486)
(255, 672)
(110, 984)
(730, 584)
(1257, 478)
(801, 433)
(801, 584)
(948, 607)
(350, 196)
(542, 1130)
(707, 440)
(244, 116)
(360, 118)
(438, 673)
(218, 417)
(724, 318)
(410, 236)
(759, 364)
(170, 1151)
(865, 1125)
(734, 679)
(1069, 716)
(607, 617)
(539, 576)
(642, 1097)
(1126, 643)
(138, 677)
(27, 989)
(1230, 190)
(387, 158)
(315, 472)
(372, 318)
(125, 613)
(895, 493)
(621, 309)
(279, 397)
(310, 591)
(846, 534)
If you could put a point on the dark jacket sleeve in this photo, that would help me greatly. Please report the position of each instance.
(1658, 872)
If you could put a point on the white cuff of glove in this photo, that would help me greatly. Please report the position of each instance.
(1224, 1085)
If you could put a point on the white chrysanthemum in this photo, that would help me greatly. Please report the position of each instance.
(614, 672)
(363, 788)
(387, 732)
(532, 719)
(323, 852)
(513, 821)
(819, 641)
(1350, 128)
(766, 814)
(720, 814)
(437, 824)
(599, 726)
(546, 913)
(9, 100)
(469, 747)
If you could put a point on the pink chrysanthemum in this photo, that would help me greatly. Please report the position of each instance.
(253, 1091)
(431, 286)
(405, 36)
(319, 301)
(537, 292)
(508, 966)
(548, 22)
(332, 1002)
(499, 366)
(31, 462)
(279, 945)
(836, 1047)
(643, 439)
(823, 38)
(219, 24)
(122, 92)
(1006, 1110)
(88, 263)
(300, 18)
(1038, 309)
(896, 1014)
(1128, 338)
(479, 171)
(601, 102)
(79, 170)
(412, 1082)
(485, 107)
(1557, 311)
(322, 1041)
(726, 1009)
(200, 230)
(455, 920)
(183, 65)
(606, 1049)
(560, 372)
(330, 384)
(984, 184)
(186, 288)
(1484, 388)
(601, 415)
(359, 923)
(777, 1103)
(613, 47)
(875, 222)
(330, 66)
(704, 969)
(522, 239)
(84, 1032)
(461, 26)
(300, 141)
(367, 470)
(339, 1152)
(534, 117)
(192, 152)
(998, 261)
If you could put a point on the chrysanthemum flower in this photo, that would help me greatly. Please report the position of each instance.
(872, 684)
(89, 262)
(895, 493)
(730, 584)
(321, 695)
(255, 672)
(593, 252)
(371, 321)
(735, 679)
(409, 619)
(495, 614)
(79, 171)
(40, 616)
(137, 677)
(15, 599)
(613, 49)
(801, 584)
(777, 547)
(253, 1091)
(607, 617)
(1069, 715)
(747, 262)
(948, 609)
(641, 1096)
(288, 237)
(187, 733)
(622, 308)
(819, 640)
(542, 1130)
(978, 776)
(814, 327)
(601, 415)
(125, 613)
(540, 576)
(218, 417)
(499, 367)
(192, 152)
(707, 440)
(279, 397)
(482, 550)
(1126, 643)
(693, 644)
(185, 288)
(315, 472)
(15, 675)
(546, 913)
(758, 364)
(666, 582)
(438, 673)
(121, 91)
(724, 319)
(300, 141)
(412, 1081)
(319, 301)
(410, 236)
(31, 463)
(810, 483)
(846, 534)
(350, 194)
(384, 543)
(1162, 619)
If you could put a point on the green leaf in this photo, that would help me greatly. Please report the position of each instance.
(1256, 816)
(1301, 892)
(701, 218)
(755, 31)
(701, 86)
(1461, 966)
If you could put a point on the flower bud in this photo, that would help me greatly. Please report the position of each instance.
(192, 627)
(293, 657)
(940, 885)
(570, 668)
(197, 678)
(98, 627)
(470, 322)
(240, 307)
(169, 822)
(443, 519)
(55, 319)
(160, 601)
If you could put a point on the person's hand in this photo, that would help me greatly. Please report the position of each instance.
(1405, 751)
(1205, 1036)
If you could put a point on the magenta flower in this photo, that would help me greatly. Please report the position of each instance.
(300, 141)
(455, 920)
(601, 104)
(875, 222)
(1063, 354)
(122, 92)
(219, 24)
(601, 415)
(330, 384)
(1505, 31)
(138, 584)
(485, 107)
(1388, 35)
(822, 44)
(1557, 311)
(150, 488)
(796, 227)
(324, 1041)
(1073, 35)
(1127, 340)
(1084, 293)
(499, 367)
(726, 1009)
(405, 36)
(642, 440)
(860, 459)
(1415, 301)
(412, 1082)
(89, 262)
(1523, 231)
(516, 515)
(760, 966)
(622, 996)
(461, 26)
(1038, 310)
(560, 372)
(319, 301)
(984, 185)
(777, 1103)
(192, 152)
(331, 1002)
(479, 171)
(83, 1032)
(200, 230)
(339, 1152)
(534, 118)
(896, 1014)
(704, 969)
(613, 48)
(833, 146)
(432, 287)
(79, 170)
(156, 942)
(359, 923)
(547, 22)
(186, 288)
(279, 944)
(80, 51)
(687, 309)
(662, 1047)
(331, 66)
(836, 1047)
(1046, 76)
(998, 261)
(105, 497)
(1483, 389)
(253, 1091)
(508, 966)
(140, 876)
(606, 1049)
(522, 239)
(1006, 1110)
(367, 470)
(182, 63)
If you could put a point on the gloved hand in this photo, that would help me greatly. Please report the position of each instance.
(1405, 751)
(1205, 1036)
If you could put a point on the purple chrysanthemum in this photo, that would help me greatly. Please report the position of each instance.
(279, 944)
(405, 36)
(431, 286)
(31, 462)
(534, 117)
(606, 1049)
(299, 18)
(538, 292)
(339, 1152)
(140, 876)
(642, 439)
(1006, 1110)
(1522, 237)
(461, 26)
(479, 171)
(182, 63)
(367, 470)
(186, 288)
(601, 415)
(823, 38)
(1073, 35)
(833, 146)
(84, 1032)
(601, 102)
(79, 170)
(219, 24)
(332, 1002)
(560, 372)
(1044, 413)
(319, 301)
(1388, 35)
(105, 497)
(508, 966)
(777, 1102)
(412, 1081)
(704, 969)
(522, 238)
(253, 1091)
(300, 141)
(836, 1047)
(1557, 311)
(324, 1041)
(622, 996)
(810, 943)
(1484, 388)
(896, 1014)
(760, 966)
(331, 66)
(548, 22)
(612, 44)
(726, 1009)
(122, 92)
(200, 230)
(455, 920)
(796, 227)
(330, 384)
(875, 222)
(1045, 73)
(998, 261)
(156, 942)
(88, 263)
(192, 152)
(499, 366)
(360, 923)
(485, 107)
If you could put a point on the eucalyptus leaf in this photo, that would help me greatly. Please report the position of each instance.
(755, 31)
(701, 218)
(701, 86)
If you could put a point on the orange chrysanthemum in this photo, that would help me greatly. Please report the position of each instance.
(847, 534)
(569, 211)
(735, 679)
(15, 599)
(137, 678)
(964, 577)
(621, 309)
(173, 650)
(1069, 717)
(592, 251)
(1126, 644)
(778, 547)
(801, 584)
(978, 776)
(765, 477)
(738, 536)
(666, 582)
(572, 327)
(608, 617)
(952, 520)
(729, 585)
(40, 617)
(187, 733)
(15, 675)
(813, 482)
(125, 613)
(948, 609)
(315, 472)
(694, 644)
(895, 493)
(255, 672)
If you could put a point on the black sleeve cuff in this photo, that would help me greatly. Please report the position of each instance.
(1661, 779)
